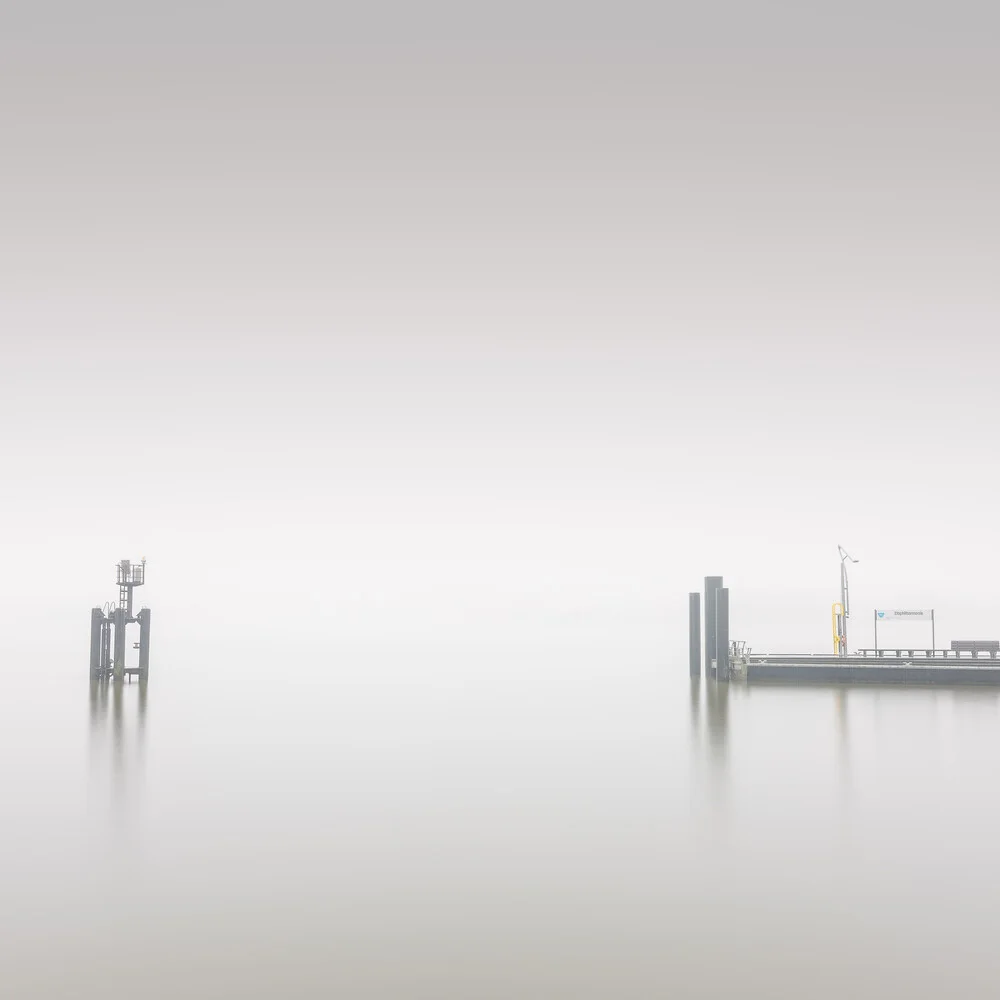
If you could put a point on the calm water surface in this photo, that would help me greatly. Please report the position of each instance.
(530, 821)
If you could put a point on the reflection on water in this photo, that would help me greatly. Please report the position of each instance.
(716, 715)
(117, 753)
(610, 830)
(716, 701)
(842, 732)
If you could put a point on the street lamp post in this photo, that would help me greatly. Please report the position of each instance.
(845, 599)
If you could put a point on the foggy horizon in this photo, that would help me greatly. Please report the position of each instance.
(431, 355)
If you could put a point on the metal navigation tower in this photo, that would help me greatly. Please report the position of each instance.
(117, 618)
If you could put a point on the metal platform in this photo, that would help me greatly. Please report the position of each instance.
(941, 666)
(966, 662)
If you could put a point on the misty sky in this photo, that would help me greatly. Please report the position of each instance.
(507, 318)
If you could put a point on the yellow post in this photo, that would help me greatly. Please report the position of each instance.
(838, 611)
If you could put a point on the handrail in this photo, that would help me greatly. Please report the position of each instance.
(133, 574)
(883, 653)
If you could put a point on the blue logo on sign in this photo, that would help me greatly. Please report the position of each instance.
(881, 614)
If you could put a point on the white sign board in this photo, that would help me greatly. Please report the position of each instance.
(896, 616)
